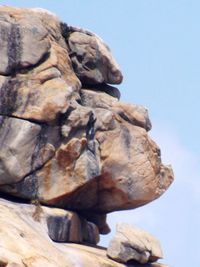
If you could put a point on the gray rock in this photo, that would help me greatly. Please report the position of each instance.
(24, 148)
(131, 243)
(23, 44)
(92, 60)
(65, 228)
(90, 233)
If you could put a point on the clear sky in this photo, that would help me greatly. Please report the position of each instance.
(157, 45)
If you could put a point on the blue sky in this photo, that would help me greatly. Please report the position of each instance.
(157, 44)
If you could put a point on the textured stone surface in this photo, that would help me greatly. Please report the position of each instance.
(61, 141)
(25, 241)
(39, 81)
(92, 60)
(68, 142)
(25, 147)
(131, 243)
(23, 41)
(66, 226)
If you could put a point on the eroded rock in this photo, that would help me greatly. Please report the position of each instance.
(25, 147)
(92, 60)
(36, 78)
(131, 243)
(62, 141)
(68, 142)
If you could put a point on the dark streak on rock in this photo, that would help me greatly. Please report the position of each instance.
(90, 133)
(27, 188)
(14, 48)
(8, 96)
(27, 69)
(90, 127)
(23, 119)
(103, 87)
(59, 228)
(65, 30)
(126, 139)
(42, 139)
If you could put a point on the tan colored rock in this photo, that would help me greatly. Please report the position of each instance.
(62, 141)
(24, 42)
(44, 82)
(92, 60)
(134, 114)
(25, 242)
(131, 243)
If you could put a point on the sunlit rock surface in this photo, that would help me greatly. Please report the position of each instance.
(59, 134)
(25, 241)
(66, 141)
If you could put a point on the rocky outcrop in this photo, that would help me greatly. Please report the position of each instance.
(76, 137)
(67, 141)
(131, 243)
(25, 241)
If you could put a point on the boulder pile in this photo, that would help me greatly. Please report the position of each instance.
(71, 152)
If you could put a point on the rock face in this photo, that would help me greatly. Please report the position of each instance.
(67, 142)
(77, 138)
(131, 243)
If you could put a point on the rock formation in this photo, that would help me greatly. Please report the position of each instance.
(67, 142)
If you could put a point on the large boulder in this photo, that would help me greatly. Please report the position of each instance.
(64, 143)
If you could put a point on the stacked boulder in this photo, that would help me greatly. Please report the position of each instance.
(66, 140)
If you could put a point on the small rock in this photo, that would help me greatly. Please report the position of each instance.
(131, 243)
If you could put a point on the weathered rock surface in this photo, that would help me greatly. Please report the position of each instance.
(131, 243)
(25, 241)
(68, 142)
(62, 140)
(92, 59)
(60, 225)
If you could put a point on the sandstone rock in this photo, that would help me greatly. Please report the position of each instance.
(62, 141)
(131, 243)
(25, 242)
(92, 60)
